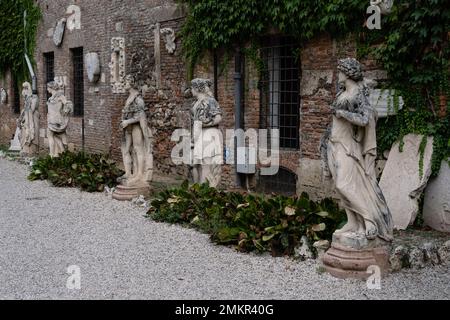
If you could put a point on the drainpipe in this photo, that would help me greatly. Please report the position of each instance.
(32, 74)
(237, 107)
(216, 75)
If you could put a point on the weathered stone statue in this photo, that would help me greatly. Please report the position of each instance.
(207, 153)
(3, 96)
(59, 111)
(351, 152)
(28, 122)
(137, 146)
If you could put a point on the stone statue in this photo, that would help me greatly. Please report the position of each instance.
(137, 145)
(169, 39)
(206, 114)
(59, 111)
(351, 153)
(28, 122)
(3, 96)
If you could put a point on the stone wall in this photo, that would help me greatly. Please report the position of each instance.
(7, 116)
(103, 20)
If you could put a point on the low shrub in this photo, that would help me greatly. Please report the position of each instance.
(251, 222)
(89, 172)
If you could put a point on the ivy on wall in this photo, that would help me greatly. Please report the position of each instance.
(13, 36)
(412, 46)
(212, 24)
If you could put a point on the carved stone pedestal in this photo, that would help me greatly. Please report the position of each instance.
(125, 193)
(351, 256)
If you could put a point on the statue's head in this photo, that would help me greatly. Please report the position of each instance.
(26, 89)
(350, 68)
(54, 86)
(130, 82)
(201, 86)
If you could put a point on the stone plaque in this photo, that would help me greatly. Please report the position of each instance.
(58, 33)
(92, 66)
(15, 142)
(436, 208)
(401, 182)
(74, 19)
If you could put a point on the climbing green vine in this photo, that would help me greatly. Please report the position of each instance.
(412, 46)
(12, 36)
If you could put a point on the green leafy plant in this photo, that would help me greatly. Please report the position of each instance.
(14, 36)
(251, 222)
(89, 172)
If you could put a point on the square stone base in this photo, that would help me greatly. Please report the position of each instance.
(125, 193)
(351, 257)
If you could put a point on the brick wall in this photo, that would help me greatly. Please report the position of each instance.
(101, 20)
(7, 116)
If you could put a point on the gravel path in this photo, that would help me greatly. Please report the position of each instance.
(123, 255)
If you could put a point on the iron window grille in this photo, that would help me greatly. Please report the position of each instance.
(49, 60)
(284, 182)
(280, 90)
(78, 82)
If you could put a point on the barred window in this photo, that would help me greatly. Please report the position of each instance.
(78, 82)
(284, 182)
(49, 64)
(280, 90)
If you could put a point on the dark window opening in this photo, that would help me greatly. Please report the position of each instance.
(16, 94)
(280, 90)
(78, 82)
(284, 182)
(49, 60)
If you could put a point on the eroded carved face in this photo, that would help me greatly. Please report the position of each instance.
(342, 77)
(26, 90)
(127, 85)
(195, 92)
(51, 89)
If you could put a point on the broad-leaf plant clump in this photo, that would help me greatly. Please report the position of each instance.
(250, 222)
(89, 172)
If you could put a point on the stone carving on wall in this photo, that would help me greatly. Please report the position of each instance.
(350, 158)
(92, 61)
(207, 153)
(117, 65)
(28, 122)
(383, 101)
(137, 146)
(169, 39)
(384, 5)
(74, 19)
(59, 111)
(58, 33)
(3, 96)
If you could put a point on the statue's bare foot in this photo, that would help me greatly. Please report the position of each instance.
(371, 230)
(346, 228)
(123, 178)
(136, 181)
